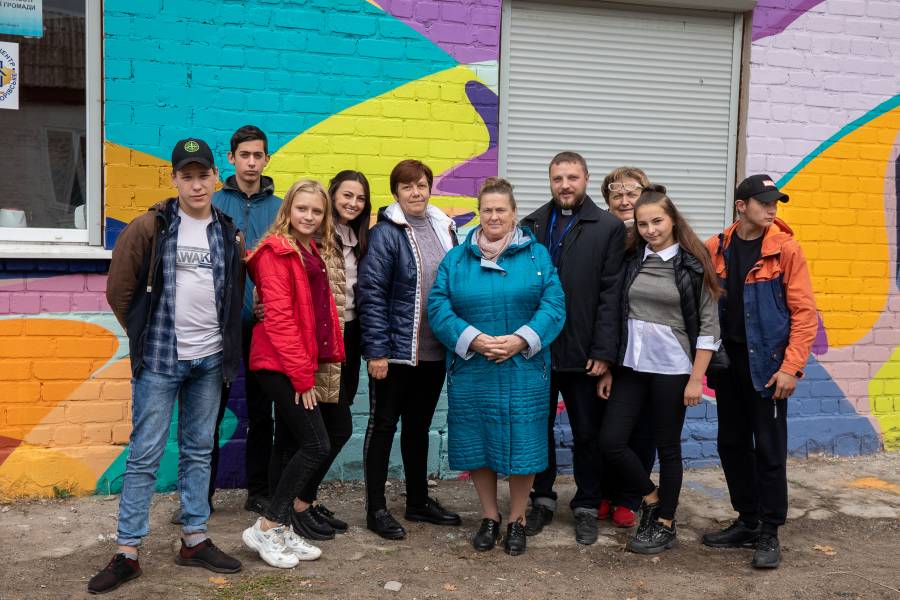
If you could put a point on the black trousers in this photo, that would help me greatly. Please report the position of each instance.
(752, 444)
(409, 394)
(258, 446)
(664, 396)
(295, 427)
(585, 410)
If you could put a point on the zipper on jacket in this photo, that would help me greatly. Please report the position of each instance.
(419, 274)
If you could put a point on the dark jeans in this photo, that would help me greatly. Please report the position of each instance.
(664, 396)
(752, 443)
(585, 410)
(260, 427)
(295, 426)
(643, 444)
(411, 394)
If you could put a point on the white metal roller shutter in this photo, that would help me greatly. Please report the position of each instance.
(648, 87)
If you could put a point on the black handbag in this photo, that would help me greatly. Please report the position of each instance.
(719, 363)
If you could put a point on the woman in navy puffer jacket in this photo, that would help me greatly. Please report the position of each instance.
(497, 305)
(405, 360)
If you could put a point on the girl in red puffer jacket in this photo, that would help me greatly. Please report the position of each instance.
(299, 331)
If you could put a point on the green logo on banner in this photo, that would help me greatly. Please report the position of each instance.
(191, 146)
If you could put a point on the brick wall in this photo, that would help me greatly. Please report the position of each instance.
(351, 84)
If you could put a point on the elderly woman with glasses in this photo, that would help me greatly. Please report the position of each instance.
(621, 189)
(497, 304)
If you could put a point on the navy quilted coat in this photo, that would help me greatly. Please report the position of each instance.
(498, 412)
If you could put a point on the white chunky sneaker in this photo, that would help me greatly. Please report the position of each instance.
(302, 549)
(270, 545)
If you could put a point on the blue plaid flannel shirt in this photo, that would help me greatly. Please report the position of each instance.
(161, 346)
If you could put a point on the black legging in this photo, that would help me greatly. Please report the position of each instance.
(664, 397)
(295, 427)
(337, 417)
(411, 394)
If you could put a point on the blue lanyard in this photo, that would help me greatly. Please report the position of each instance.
(556, 246)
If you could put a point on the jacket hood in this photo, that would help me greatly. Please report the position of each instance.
(522, 239)
(774, 238)
(266, 187)
(163, 207)
(443, 226)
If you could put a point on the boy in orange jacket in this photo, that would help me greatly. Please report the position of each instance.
(768, 320)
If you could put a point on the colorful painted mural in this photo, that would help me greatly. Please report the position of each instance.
(361, 84)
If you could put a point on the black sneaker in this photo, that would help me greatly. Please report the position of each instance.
(323, 514)
(487, 535)
(384, 524)
(649, 514)
(768, 552)
(515, 541)
(306, 525)
(119, 570)
(586, 528)
(537, 518)
(207, 555)
(257, 504)
(653, 540)
(736, 535)
(432, 512)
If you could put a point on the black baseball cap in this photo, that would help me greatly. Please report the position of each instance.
(192, 150)
(760, 187)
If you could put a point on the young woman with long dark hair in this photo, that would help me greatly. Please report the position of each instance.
(670, 330)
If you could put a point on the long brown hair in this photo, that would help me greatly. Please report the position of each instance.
(359, 224)
(684, 235)
(282, 224)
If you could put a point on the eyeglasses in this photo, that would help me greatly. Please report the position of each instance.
(618, 186)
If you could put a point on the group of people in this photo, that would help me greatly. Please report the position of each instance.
(623, 312)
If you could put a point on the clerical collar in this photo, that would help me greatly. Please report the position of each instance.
(566, 212)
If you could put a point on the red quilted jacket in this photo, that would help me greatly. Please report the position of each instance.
(285, 340)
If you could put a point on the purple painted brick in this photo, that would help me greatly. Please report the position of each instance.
(455, 12)
(4, 304)
(427, 11)
(56, 302)
(487, 36)
(486, 16)
(86, 303)
(399, 8)
(12, 284)
(26, 304)
(96, 283)
(451, 32)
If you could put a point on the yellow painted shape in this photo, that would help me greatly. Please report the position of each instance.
(873, 483)
(884, 399)
(837, 210)
(429, 119)
(135, 181)
(32, 471)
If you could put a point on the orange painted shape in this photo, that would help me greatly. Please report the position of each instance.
(873, 483)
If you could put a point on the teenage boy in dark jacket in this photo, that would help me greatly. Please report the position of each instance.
(248, 197)
(587, 245)
(175, 285)
(768, 319)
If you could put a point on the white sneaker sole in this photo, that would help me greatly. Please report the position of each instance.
(279, 562)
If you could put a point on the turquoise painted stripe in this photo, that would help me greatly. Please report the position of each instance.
(885, 107)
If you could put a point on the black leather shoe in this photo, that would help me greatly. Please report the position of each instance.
(537, 518)
(514, 543)
(736, 535)
(487, 535)
(306, 525)
(384, 524)
(768, 552)
(432, 512)
(649, 515)
(653, 540)
(586, 528)
(256, 504)
(325, 515)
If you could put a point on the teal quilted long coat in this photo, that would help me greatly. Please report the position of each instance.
(498, 412)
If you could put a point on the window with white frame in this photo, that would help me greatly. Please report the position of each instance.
(50, 123)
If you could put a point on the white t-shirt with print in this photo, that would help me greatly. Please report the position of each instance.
(196, 319)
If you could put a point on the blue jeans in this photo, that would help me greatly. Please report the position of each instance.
(197, 386)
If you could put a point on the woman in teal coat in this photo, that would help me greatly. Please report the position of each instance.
(497, 304)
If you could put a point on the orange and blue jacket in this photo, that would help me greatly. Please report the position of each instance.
(779, 306)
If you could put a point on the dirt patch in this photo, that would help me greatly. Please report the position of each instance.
(50, 548)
